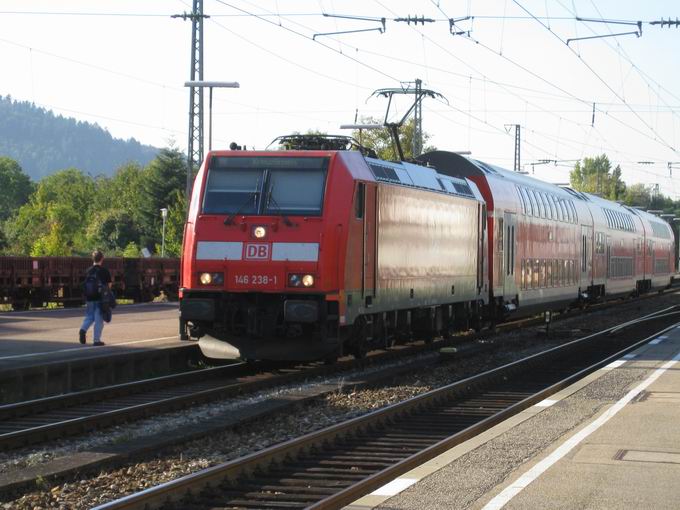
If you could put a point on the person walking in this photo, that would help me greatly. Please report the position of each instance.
(96, 278)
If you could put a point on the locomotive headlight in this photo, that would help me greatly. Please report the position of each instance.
(294, 280)
(308, 280)
(211, 278)
(259, 232)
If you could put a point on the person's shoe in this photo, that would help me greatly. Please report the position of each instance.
(99, 343)
(81, 336)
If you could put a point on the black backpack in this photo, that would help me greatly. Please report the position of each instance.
(92, 288)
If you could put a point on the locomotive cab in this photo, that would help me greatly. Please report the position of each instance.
(252, 280)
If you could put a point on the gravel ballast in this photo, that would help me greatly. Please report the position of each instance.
(338, 406)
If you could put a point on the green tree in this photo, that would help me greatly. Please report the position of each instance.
(637, 195)
(112, 230)
(54, 220)
(595, 175)
(174, 226)
(63, 235)
(380, 140)
(131, 250)
(16, 187)
(160, 183)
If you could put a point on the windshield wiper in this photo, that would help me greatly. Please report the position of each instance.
(272, 200)
(232, 216)
(253, 195)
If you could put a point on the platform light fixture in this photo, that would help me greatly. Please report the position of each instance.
(164, 215)
(361, 128)
(211, 85)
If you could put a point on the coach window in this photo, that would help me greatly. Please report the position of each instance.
(558, 209)
(573, 210)
(563, 206)
(569, 216)
(539, 205)
(524, 200)
(359, 200)
(521, 200)
(544, 201)
(553, 208)
(534, 274)
(534, 207)
(546, 207)
(549, 211)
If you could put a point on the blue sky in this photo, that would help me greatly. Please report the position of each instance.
(123, 63)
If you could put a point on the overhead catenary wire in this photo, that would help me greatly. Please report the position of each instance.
(657, 136)
(483, 79)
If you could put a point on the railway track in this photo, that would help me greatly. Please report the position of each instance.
(41, 420)
(332, 467)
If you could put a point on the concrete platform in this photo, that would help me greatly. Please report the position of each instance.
(40, 354)
(612, 440)
(38, 336)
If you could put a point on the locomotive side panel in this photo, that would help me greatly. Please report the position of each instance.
(427, 248)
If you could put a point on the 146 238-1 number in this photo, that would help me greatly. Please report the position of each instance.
(255, 279)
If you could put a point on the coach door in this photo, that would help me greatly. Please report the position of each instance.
(369, 242)
(586, 256)
(509, 248)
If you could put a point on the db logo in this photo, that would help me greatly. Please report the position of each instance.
(257, 252)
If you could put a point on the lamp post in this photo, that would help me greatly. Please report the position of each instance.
(203, 84)
(210, 85)
(164, 215)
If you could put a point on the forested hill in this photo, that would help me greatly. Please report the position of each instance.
(42, 142)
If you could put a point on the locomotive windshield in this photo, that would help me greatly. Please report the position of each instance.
(264, 185)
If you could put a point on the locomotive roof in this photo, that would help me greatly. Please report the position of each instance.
(420, 176)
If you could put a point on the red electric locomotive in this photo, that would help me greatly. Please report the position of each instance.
(307, 254)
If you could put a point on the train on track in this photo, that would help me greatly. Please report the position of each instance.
(310, 254)
(35, 281)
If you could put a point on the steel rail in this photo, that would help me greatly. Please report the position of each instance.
(40, 420)
(238, 477)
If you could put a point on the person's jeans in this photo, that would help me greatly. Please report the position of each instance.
(93, 313)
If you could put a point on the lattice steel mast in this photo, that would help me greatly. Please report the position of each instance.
(418, 121)
(195, 142)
